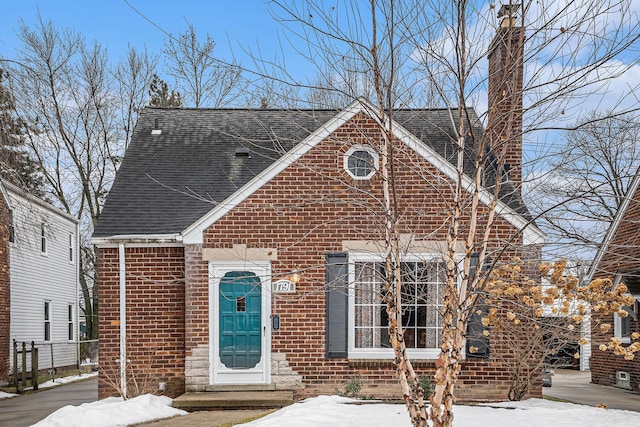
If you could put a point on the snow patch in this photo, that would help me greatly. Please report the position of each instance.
(112, 412)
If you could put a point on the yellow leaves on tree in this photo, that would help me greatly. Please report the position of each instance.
(517, 299)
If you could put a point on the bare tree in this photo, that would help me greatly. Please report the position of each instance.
(81, 115)
(202, 79)
(133, 75)
(588, 178)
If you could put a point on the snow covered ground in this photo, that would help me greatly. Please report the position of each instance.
(335, 411)
(4, 395)
(65, 380)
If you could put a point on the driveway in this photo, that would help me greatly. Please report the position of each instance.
(30, 408)
(576, 387)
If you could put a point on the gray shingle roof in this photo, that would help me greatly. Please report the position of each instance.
(168, 181)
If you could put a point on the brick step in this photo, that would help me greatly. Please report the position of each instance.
(245, 399)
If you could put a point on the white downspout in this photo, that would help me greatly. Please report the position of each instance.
(76, 259)
(123, 321)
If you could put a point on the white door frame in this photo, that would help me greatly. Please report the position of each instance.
(218, 372)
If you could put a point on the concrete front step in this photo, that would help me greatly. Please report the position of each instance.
(240, 387)
(221, 400)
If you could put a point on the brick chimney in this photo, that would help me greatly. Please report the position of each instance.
(505, 93)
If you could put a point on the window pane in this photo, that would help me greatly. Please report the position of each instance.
(12, 229)
(431, 338)
(410, 337)
(408, 270)
(625, 327)
(47, 321)
(360, 163)
(421, 304)
(364, 316)
(421, 316)
(367, 293)
(421, 293)
(408, 316)
(43, 238)
(432, 297)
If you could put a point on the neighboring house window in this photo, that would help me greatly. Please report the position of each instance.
(70, 323)
(71, 245)
(12, 228)
(622, 328)
(47, 320)
(423, 283)
(43, 238)
(622, 325)
(361, 161)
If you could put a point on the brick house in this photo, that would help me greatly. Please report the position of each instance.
(240, 246)
(38, 280)
(617, 258)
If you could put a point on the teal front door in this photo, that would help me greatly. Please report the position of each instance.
(240, 320)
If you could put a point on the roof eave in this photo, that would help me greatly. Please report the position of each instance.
(174, 239)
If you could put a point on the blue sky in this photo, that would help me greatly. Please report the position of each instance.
(114, 24)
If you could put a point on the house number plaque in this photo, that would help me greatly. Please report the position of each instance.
(283, 287)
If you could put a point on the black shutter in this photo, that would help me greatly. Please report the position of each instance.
(475, 328)
(337, 304)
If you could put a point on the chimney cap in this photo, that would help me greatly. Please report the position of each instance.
(156, 127)
(509, 10)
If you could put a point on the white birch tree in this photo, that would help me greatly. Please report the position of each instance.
(571, 51)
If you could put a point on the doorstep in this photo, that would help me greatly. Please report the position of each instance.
(237, 399)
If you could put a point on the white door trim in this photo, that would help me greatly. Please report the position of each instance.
(218, 372)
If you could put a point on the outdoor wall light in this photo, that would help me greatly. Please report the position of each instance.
(295, 277)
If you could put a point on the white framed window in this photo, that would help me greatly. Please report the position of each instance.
(43, 238)
(70, 323)
(71, 246)
(47, 321)
(423, 284)
(361, 161)
(622, 328)
(622, 325)
(12, 228)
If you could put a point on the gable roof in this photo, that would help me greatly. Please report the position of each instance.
(615, 225)
(11, 192)
(173, 181)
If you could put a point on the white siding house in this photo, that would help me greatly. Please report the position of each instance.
(43, 277)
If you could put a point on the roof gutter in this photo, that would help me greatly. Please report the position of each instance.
(133, 240)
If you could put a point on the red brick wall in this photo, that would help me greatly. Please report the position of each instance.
(155, 318)
(505, 98)
(621, 257)
(605, 364)
(306, 212)
(197, 295)
(5, 293)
